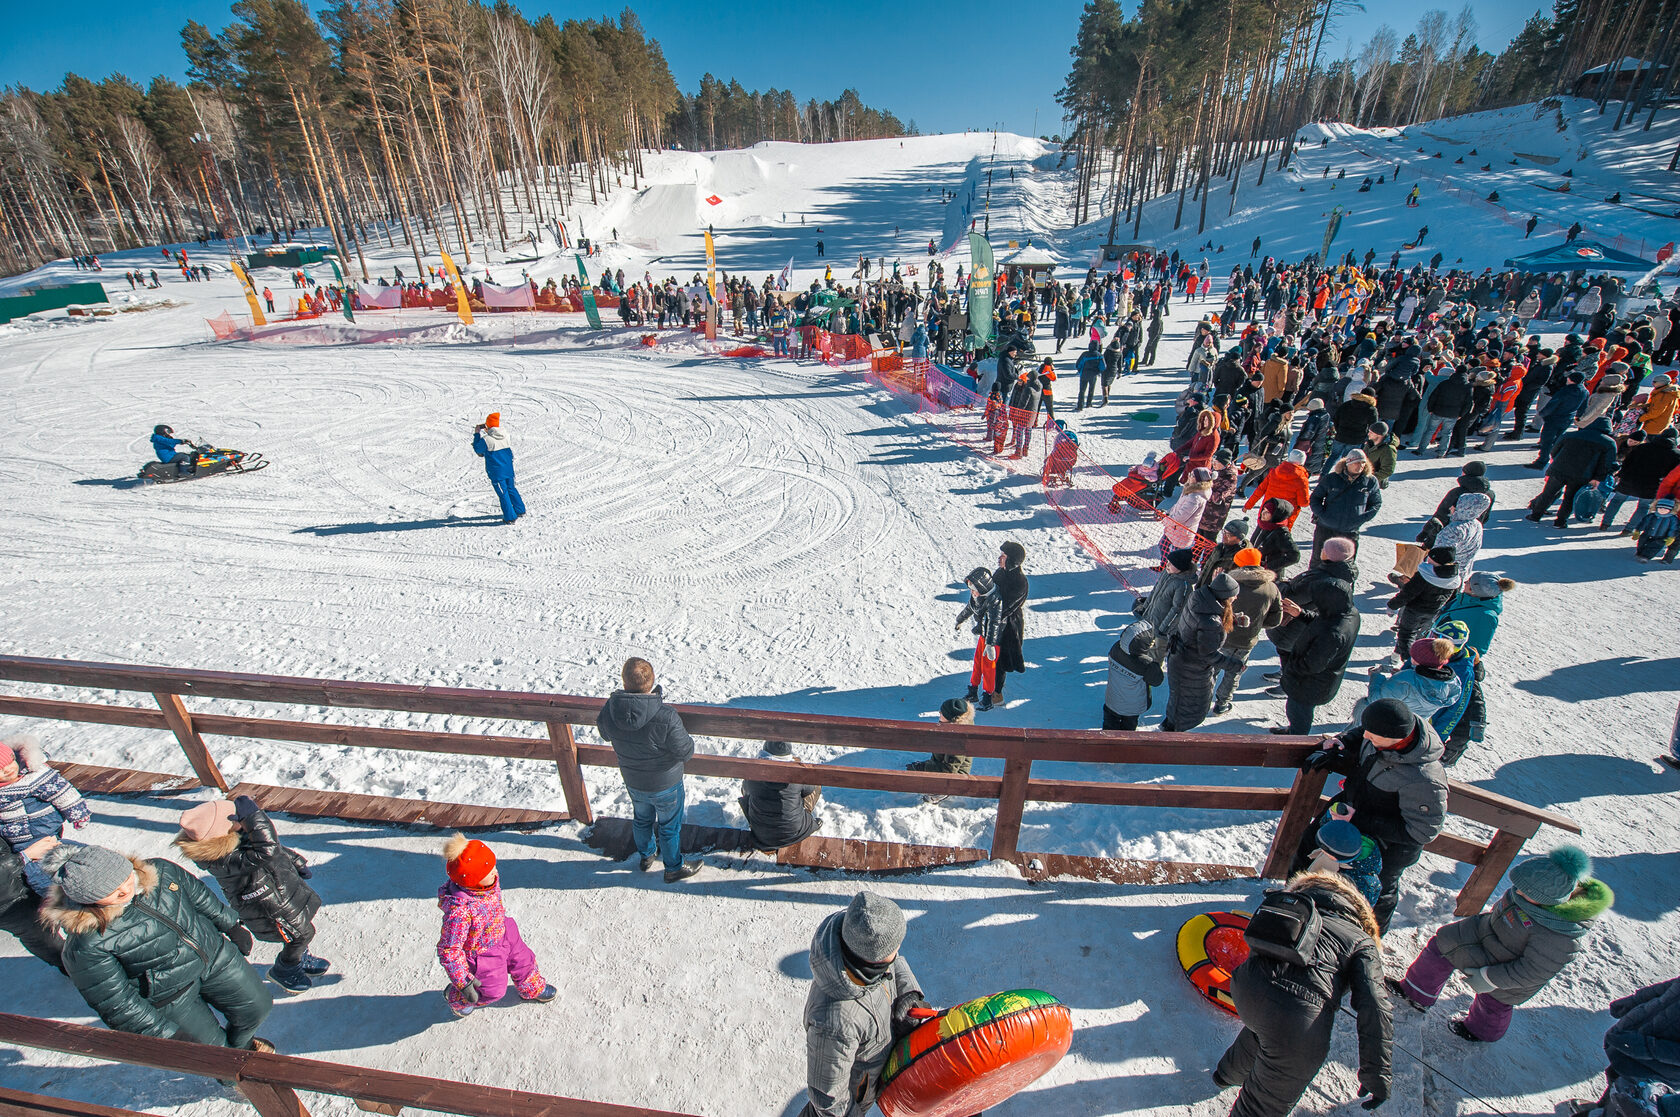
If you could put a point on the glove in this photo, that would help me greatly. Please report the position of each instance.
(241, 938)
(470, 988)
(302, 866)
(908, 1012)
(1477, 979)
(243, 808)
(991, 652)
(1318, 760)
(1378, 1090)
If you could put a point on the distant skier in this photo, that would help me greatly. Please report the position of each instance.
(491, 443)
(1528, 228)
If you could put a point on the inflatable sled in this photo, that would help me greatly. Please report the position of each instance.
(1210, 946)
(208, 462)
(975, 1055)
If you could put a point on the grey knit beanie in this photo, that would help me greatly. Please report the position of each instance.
(872, 927)
(87, 874)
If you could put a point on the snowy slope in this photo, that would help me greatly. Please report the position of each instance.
(770, 535)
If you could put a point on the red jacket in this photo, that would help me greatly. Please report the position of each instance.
(1670, 487)
(1286, 481)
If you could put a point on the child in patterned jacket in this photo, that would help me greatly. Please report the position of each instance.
(480, 947)
(35, 804)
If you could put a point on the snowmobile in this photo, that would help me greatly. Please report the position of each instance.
(208, 461)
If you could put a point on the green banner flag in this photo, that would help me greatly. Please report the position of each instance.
(979, 290)
(590, 310)
(343, 289)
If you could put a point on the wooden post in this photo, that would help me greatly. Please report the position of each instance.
(571, 775)
(1298, 814)
(180, 722)
(272, 1099)
(1484, 878)
(1012, 800)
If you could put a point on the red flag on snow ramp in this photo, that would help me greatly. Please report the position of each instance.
(714, 200)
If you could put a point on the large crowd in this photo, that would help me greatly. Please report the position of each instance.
(1305, 392)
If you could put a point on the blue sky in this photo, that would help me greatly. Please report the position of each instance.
(910, 58)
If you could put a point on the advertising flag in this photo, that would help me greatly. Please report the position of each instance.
(590, 310)
(257, 318)
(461, 306)
(979, 290)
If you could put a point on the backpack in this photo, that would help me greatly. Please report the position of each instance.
(1589, 502)
(1285, 927)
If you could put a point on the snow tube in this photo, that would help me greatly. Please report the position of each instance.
(975, 1055)
(1210, 946)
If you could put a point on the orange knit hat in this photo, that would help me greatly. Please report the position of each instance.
(494, 419)
(1248, 556)
(469, 867)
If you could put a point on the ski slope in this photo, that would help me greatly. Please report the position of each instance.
(770, 535)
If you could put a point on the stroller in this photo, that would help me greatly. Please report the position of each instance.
(1141, 488)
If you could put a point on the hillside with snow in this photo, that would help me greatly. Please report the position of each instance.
(781, 535)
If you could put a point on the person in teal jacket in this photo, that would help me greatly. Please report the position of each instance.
(1478, 605)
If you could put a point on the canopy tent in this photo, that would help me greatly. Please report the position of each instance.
(1580, 256)
(1035, 262)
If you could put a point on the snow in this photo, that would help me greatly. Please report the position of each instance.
(772, 535)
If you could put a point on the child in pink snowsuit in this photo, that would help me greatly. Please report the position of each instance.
(480, 947)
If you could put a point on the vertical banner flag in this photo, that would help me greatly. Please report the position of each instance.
(343, 290)
(979, 290)
(1330, 234)
(587, 293)
(461, 306)
(257, 318)
(711, 288)
(786, 277)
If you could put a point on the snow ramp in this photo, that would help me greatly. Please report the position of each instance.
(663, 214)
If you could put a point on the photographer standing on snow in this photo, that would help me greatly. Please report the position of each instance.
(491, 443)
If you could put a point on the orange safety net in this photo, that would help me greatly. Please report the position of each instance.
(224, 327)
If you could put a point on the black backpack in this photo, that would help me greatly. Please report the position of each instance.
(1285, 927)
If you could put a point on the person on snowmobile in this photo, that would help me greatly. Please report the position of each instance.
(165, 444)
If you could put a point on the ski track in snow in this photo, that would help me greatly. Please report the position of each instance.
(770, 535)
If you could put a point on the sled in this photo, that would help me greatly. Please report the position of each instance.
(975, 1055)
(210, 462)
(1210, 947)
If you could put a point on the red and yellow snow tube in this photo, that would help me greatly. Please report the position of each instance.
(1210, 946)
(975, 1055)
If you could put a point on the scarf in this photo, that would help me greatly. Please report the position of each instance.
(869, 973)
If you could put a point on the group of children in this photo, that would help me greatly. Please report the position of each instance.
(480, 948)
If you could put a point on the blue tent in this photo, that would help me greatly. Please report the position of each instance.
(1583, 255)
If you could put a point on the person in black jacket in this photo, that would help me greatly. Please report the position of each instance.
(1193, 653)
(1582, 457)
(1643, 1045)
(1350, 427)
(1345, 501)
(1558, 415)
(780, 814)
(652, 746)
(1449, 404)
(1397, 399)
(1011, 586)
(1316, 643)
(1637, 480)
(1395, 786)
(1289, 1012)
(1421, 598)
(20, 911)
(263, 881)
(1272, 537)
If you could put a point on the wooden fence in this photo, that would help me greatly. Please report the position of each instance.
(1297, 805)
(270, 1081)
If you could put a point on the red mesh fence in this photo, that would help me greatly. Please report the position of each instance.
(1119, 529)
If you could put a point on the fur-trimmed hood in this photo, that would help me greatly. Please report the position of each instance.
(1343, 890)
(30, 756)
(81, 919)
(208, 850)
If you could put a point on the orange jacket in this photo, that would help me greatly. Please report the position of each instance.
(1286, 481)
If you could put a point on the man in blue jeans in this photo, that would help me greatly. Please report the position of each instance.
(652, 746)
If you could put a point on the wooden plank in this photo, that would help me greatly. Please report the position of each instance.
(1305, 796)
(312, 1075)
(824, 775)
(1481, 805)
(1485, 877)
(571, 776)
(198, 755)
(271, 1099)
(92, 779)
(1457, 848)
(1158, 795)
(16, 1103)
(139, 717)
(372, 737)
(1043, 866)
(1012, 800)
(613, 838)
(859, 855)
(393, 811)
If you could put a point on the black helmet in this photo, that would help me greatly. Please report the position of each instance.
(162, 428)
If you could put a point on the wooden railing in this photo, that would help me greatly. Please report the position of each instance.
(1018, 748)
(270, 1081)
